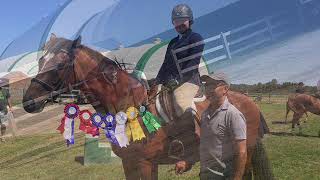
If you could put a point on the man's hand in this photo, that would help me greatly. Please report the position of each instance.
(182, 166)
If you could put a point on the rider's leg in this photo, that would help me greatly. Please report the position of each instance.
(184, 128)
(183, 97)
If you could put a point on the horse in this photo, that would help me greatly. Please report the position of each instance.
(301, 104)
(67, 64)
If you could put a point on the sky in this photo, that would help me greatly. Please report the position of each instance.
(16, 16)
(127, 21)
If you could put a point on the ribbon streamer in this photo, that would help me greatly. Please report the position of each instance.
(67, 123)
(110, 128)
(150, 121)
(134, 129)
(120, 130)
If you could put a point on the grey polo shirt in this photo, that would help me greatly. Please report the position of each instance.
(219, 130)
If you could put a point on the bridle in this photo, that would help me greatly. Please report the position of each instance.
(57, 89)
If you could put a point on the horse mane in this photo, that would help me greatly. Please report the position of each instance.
(99, 57)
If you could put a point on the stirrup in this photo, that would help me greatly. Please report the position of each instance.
(176, 154)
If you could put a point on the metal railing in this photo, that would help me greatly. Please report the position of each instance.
(237, 40)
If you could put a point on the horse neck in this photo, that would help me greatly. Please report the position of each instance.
(85, 63)
(127, 92)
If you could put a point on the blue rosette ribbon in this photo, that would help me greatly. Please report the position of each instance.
(109, 129)
(71, 112)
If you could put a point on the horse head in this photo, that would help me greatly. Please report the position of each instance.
(56, 67)
(67, 63)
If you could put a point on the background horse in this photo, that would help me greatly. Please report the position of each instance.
(109, 88)
(301, 104)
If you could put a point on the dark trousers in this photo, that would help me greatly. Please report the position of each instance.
(206, 174)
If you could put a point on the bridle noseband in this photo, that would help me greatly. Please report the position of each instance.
(56, 89)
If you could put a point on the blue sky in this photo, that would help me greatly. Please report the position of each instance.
(17, 16)
(128, 21)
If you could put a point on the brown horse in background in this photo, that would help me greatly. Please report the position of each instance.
(301, 104)
(109, 88)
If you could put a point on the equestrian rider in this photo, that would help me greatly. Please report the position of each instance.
(182, 19)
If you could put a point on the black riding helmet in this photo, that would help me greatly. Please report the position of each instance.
(182, 11)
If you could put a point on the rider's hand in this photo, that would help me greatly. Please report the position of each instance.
(182, 166)
(153, 82)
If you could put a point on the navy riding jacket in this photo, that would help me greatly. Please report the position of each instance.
(169, 71)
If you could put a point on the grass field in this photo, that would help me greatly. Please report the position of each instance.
(46, 156)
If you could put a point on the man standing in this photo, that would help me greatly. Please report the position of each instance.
(4, 105)
(223, 151)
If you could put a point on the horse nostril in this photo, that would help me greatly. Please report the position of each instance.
(29, 105)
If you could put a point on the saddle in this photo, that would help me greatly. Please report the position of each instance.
(165, 102)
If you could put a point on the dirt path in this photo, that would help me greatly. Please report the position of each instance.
(45, 122)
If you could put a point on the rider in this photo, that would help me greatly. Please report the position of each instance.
(189, 82)
(182, 19)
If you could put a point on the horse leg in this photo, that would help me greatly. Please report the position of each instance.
(248, 171)
(306, 117)
(288, 110)
(148, 170)
(131, 170)
(295, 119)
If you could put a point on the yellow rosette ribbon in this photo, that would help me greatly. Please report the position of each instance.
(134, 130)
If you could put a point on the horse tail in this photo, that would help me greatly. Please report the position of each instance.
(260, 163)
(263, 128)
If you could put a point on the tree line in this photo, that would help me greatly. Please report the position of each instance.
(272, 86)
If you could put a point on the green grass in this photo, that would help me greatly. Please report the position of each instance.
(47, 157)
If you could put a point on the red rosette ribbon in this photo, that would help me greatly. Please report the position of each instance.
(61, 126)
(71, 111)
(86, 125)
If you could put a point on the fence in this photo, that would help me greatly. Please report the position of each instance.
(269, 98)
(236, 41)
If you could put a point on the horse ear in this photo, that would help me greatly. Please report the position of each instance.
(77, 42)
(53, 37)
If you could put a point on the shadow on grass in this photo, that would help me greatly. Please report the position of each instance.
(35, 152)
(292, 134)
(281, 122)
(13, 165)
(79, 159)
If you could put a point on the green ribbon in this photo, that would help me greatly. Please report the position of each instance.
(151, 122)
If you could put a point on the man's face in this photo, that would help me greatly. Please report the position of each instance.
(216, 90)
(181, 25)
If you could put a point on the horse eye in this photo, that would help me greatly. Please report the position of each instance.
(60, 66)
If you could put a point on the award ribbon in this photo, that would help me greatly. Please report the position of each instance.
(121, 119)
(109, 129)
(150, 121)
(67, 123)
(134, 129)
(86, 124)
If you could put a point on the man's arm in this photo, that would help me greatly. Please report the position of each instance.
(240, 158)
(239, 131)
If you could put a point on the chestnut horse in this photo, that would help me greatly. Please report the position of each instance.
(301, 104)
(67, 64)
